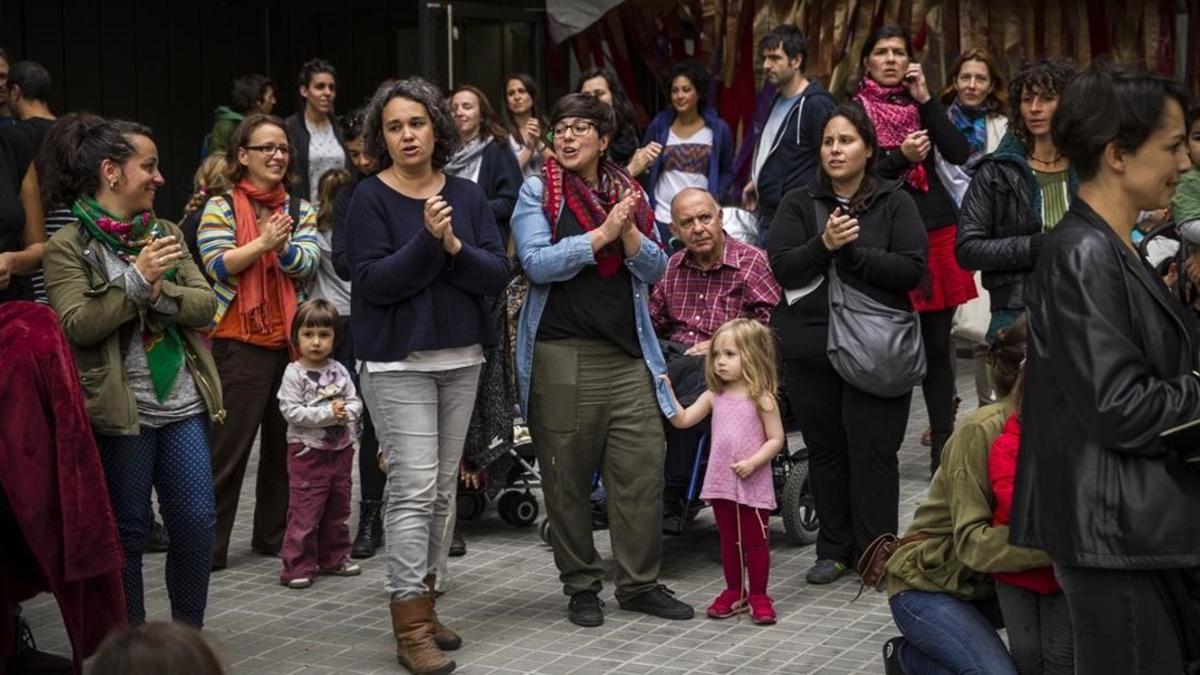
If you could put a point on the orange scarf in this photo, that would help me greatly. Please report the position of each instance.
(253, 303)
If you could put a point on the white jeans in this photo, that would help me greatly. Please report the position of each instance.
(421, 420)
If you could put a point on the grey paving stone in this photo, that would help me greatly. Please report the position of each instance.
(505, 598)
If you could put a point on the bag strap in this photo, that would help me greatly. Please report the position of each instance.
(821, 213)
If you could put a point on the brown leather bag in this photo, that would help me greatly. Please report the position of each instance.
(872, 564)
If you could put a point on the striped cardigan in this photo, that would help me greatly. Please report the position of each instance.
(216, 235)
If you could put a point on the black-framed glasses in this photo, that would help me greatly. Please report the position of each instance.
(577, 128)
(270, 149)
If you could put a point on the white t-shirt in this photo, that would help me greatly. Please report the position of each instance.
(685, 165)
(324, 153)
(430, 361)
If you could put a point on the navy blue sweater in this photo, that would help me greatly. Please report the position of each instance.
(407, 294)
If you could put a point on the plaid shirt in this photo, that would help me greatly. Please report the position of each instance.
(689, 304)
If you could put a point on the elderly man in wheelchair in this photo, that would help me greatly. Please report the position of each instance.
(713, 279)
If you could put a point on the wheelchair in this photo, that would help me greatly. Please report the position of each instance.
(793, 495)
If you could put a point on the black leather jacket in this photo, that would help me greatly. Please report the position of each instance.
(1000, 224)
(1110, 366)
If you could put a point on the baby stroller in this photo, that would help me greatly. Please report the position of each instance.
(509, 480)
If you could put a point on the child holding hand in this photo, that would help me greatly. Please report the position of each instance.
(747, 433)
(322, 409)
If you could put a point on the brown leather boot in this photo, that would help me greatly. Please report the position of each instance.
(415, 648)
(446, 639)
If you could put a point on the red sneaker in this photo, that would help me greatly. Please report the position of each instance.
(762, 609)
(728, 603)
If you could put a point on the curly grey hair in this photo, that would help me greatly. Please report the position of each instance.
(419, 90)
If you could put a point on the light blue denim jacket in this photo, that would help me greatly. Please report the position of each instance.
(545, 264)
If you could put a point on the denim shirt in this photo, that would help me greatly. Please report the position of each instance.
(546, 263)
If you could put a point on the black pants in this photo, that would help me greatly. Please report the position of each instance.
(852, 439)
(371, 479)
(938, 386)
(1039, 630)
(1123, 621)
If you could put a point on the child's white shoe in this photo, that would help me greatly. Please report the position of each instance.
(298, 582)
(348, 569)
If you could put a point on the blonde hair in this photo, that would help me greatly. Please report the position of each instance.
(330, 183)
(210, 179)
(756, 345)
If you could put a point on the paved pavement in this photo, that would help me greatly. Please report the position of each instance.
(505, 599)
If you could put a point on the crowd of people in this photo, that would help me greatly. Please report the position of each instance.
(411, 281)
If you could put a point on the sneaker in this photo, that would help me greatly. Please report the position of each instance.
(659, 601)
(762, 609)
(298, 582)
(348, 569)
(728, 603)
(584, 609)
(825, 571)
(891, 657)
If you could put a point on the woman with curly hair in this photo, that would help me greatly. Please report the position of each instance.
(424, 252)
(1019, 193)
(697, 144)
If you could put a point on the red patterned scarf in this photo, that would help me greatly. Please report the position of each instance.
(894, 113)
(591, 206)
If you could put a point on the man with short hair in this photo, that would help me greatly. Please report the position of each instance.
(22, 234)
(712, 280)
(789, 144)
(249, 94)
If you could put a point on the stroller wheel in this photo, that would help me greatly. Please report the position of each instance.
(544, 531)
(522, 509)
(504, 506)
(470, 505)
(798, 507)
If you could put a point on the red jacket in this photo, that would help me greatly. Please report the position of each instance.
(1002, 471)
(65, 540)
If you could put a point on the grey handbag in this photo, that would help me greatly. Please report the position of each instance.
(874, 347)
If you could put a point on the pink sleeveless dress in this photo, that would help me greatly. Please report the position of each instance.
(737, 433)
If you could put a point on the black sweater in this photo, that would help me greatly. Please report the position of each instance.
(886, 261)
(936, 207)
(409, 295)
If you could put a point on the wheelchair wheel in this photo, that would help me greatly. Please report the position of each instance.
(798, 507)
(518, 508)
(470, 505)
(544, 531)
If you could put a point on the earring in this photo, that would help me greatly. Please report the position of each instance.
(112, 185)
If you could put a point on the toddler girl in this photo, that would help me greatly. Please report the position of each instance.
(322, 409)
(747, 433)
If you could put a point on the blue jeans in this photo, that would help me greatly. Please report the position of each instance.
(174, 460)
(944, 634)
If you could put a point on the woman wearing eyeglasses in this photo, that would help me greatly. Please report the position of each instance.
(258, 259)
(588, 362)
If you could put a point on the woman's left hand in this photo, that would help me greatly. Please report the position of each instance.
(914, 81)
